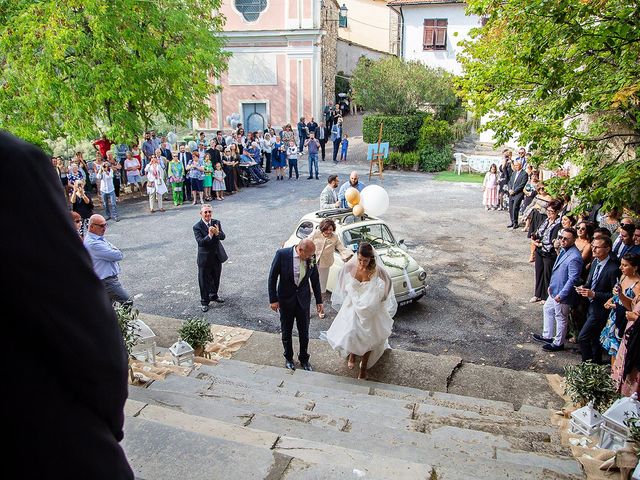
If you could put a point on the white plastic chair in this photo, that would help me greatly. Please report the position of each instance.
(460, 162)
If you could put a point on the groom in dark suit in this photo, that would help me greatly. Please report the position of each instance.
(211, 256)
(517, 182)
(292, 270)
(603, 276)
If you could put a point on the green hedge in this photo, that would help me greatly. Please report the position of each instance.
(401, 131)
(403, 161)
(435, 159)
(436, 133)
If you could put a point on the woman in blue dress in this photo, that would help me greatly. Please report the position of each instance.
(611, 334)
(279, 158)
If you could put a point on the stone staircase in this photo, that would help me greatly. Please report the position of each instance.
(238, 420)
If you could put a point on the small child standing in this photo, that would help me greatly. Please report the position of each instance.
(343, 148)
(218, 181)
(292, 156)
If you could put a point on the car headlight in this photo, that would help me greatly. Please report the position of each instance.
(422, 275)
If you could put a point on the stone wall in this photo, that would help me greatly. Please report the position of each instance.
(329, 48)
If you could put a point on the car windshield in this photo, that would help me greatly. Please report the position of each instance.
(376, 234)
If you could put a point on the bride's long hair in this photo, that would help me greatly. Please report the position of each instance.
(367, 251)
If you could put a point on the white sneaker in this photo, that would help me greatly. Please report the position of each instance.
(534, 300)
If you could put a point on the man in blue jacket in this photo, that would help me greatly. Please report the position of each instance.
(564, 277)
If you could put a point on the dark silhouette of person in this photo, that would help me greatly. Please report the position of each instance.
(66, 386)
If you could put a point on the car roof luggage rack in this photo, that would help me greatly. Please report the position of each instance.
(332, 212)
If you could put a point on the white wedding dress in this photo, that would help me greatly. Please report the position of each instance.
(365, 316)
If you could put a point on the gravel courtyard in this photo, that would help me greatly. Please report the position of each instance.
(478, 275)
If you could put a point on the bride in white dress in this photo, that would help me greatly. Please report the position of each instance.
(366, 302)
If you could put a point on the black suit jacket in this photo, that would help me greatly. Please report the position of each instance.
(517, 185)
(603, 287)
(215, 155)
(210, 250)
(75, 407)
(327, 134)
(187, 161)
(287, 293)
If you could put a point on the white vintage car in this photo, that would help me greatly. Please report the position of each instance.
(408, 277)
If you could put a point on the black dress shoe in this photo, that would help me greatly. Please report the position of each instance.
(510, 225)
(540, 338)
(515, 227)
(550, 347)
(218, 300)
(204, 308)
(290, 365)
(309, 178)
(307, 366)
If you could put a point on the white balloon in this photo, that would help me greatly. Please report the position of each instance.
(375, 200)
(192, 145)
(172, 137)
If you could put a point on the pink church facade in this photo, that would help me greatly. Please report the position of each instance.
(282, 64)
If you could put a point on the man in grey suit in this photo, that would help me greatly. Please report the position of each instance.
(517, 182)
(564, 277)
(329, 196)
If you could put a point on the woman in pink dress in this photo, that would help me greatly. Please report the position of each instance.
(490, 188)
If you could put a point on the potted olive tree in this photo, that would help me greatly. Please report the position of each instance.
(130, 332)
(196, 332)
(587, 382)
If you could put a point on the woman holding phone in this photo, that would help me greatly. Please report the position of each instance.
(623, 294)
(626, 367)
(545, 252)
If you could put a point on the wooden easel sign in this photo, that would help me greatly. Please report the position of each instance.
(376, 154)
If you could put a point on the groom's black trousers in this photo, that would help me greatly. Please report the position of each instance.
(301, 317)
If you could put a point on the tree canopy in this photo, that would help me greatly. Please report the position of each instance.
(393, 86)
(76, 67)
(563, 75)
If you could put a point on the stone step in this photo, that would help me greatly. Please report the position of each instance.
(299, 470)
(311, 384)
(490, 452)
(158, 451)
(263, 395)
(163, 443)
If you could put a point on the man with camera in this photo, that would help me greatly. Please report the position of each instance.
(107, 191)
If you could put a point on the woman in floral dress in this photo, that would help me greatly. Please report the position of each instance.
(625, 371)
(176, 178)
(623, 294)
